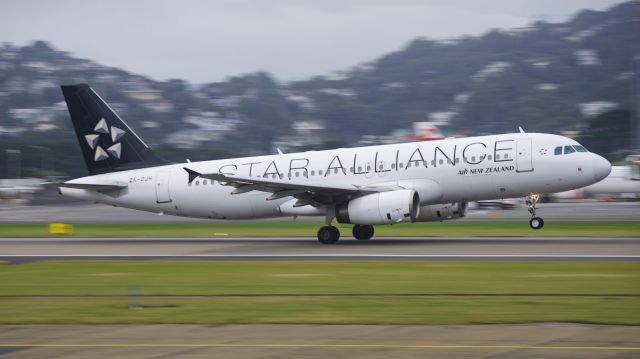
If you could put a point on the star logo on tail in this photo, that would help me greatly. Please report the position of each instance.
(115, 133)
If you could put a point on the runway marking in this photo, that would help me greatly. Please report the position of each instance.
(329, 346)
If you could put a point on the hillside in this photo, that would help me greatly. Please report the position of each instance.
(547, 77)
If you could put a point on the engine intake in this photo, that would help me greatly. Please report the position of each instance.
(380, 208)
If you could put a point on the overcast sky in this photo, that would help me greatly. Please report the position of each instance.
(206, 40)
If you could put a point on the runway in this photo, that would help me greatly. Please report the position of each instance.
(551, 340)
(426, 248)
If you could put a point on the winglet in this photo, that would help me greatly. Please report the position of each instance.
(279, 151)
(192, 174)
(521, 130)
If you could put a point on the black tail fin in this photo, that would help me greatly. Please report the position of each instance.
(108, 144)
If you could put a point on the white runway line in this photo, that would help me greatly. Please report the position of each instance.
(417, 256)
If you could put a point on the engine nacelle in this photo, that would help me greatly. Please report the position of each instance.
(381, 208)
(442, 212)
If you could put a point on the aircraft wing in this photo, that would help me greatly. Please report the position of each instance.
(307, 192)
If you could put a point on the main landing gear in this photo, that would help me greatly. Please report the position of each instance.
(331, 234)
(328, 235)
(362, 232)
(535, 222)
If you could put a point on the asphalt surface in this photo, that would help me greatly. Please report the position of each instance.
(80, 212)
(319, 341)
(514, 249)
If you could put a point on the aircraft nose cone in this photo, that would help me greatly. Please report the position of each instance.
(601, 168)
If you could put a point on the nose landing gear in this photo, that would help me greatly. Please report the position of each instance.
(535, 222)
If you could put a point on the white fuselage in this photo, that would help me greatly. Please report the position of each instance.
(464, 169)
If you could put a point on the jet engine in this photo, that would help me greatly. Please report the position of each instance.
(380, 208)
(442, 212)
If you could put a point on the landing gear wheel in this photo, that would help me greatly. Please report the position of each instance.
(536, 223)
(362, 232)
(328, 235)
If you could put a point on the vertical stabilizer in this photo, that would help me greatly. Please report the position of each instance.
(107, 143)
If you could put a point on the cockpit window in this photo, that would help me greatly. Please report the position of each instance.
(568, 149)
(558, 151)
(580, 148)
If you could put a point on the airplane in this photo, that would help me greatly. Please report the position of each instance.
(363, 186)
(623, 180)
(20, 189)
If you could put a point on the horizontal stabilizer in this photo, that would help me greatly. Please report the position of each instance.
(93, 186)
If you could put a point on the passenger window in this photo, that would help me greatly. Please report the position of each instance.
(568, 149)
(580, 148)
(557, 151)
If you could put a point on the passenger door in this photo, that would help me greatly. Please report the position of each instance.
(162, 187)
(523, 156)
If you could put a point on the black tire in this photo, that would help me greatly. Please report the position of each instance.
(536, 223)
(362, 232)
(328, 235)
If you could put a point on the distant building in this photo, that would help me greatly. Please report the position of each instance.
(210, 127)
(587, 57)
(492, 69)
(305, 133)
(592, 109)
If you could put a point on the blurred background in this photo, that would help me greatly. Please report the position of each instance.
(209, 80)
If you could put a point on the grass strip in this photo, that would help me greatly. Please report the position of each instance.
(290, 292)
(319, 310)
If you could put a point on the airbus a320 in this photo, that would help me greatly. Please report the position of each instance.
(363, 186)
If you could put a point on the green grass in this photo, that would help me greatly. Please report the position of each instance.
(341, 292)
(306, 229)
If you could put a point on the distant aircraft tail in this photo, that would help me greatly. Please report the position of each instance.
(108, 144)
